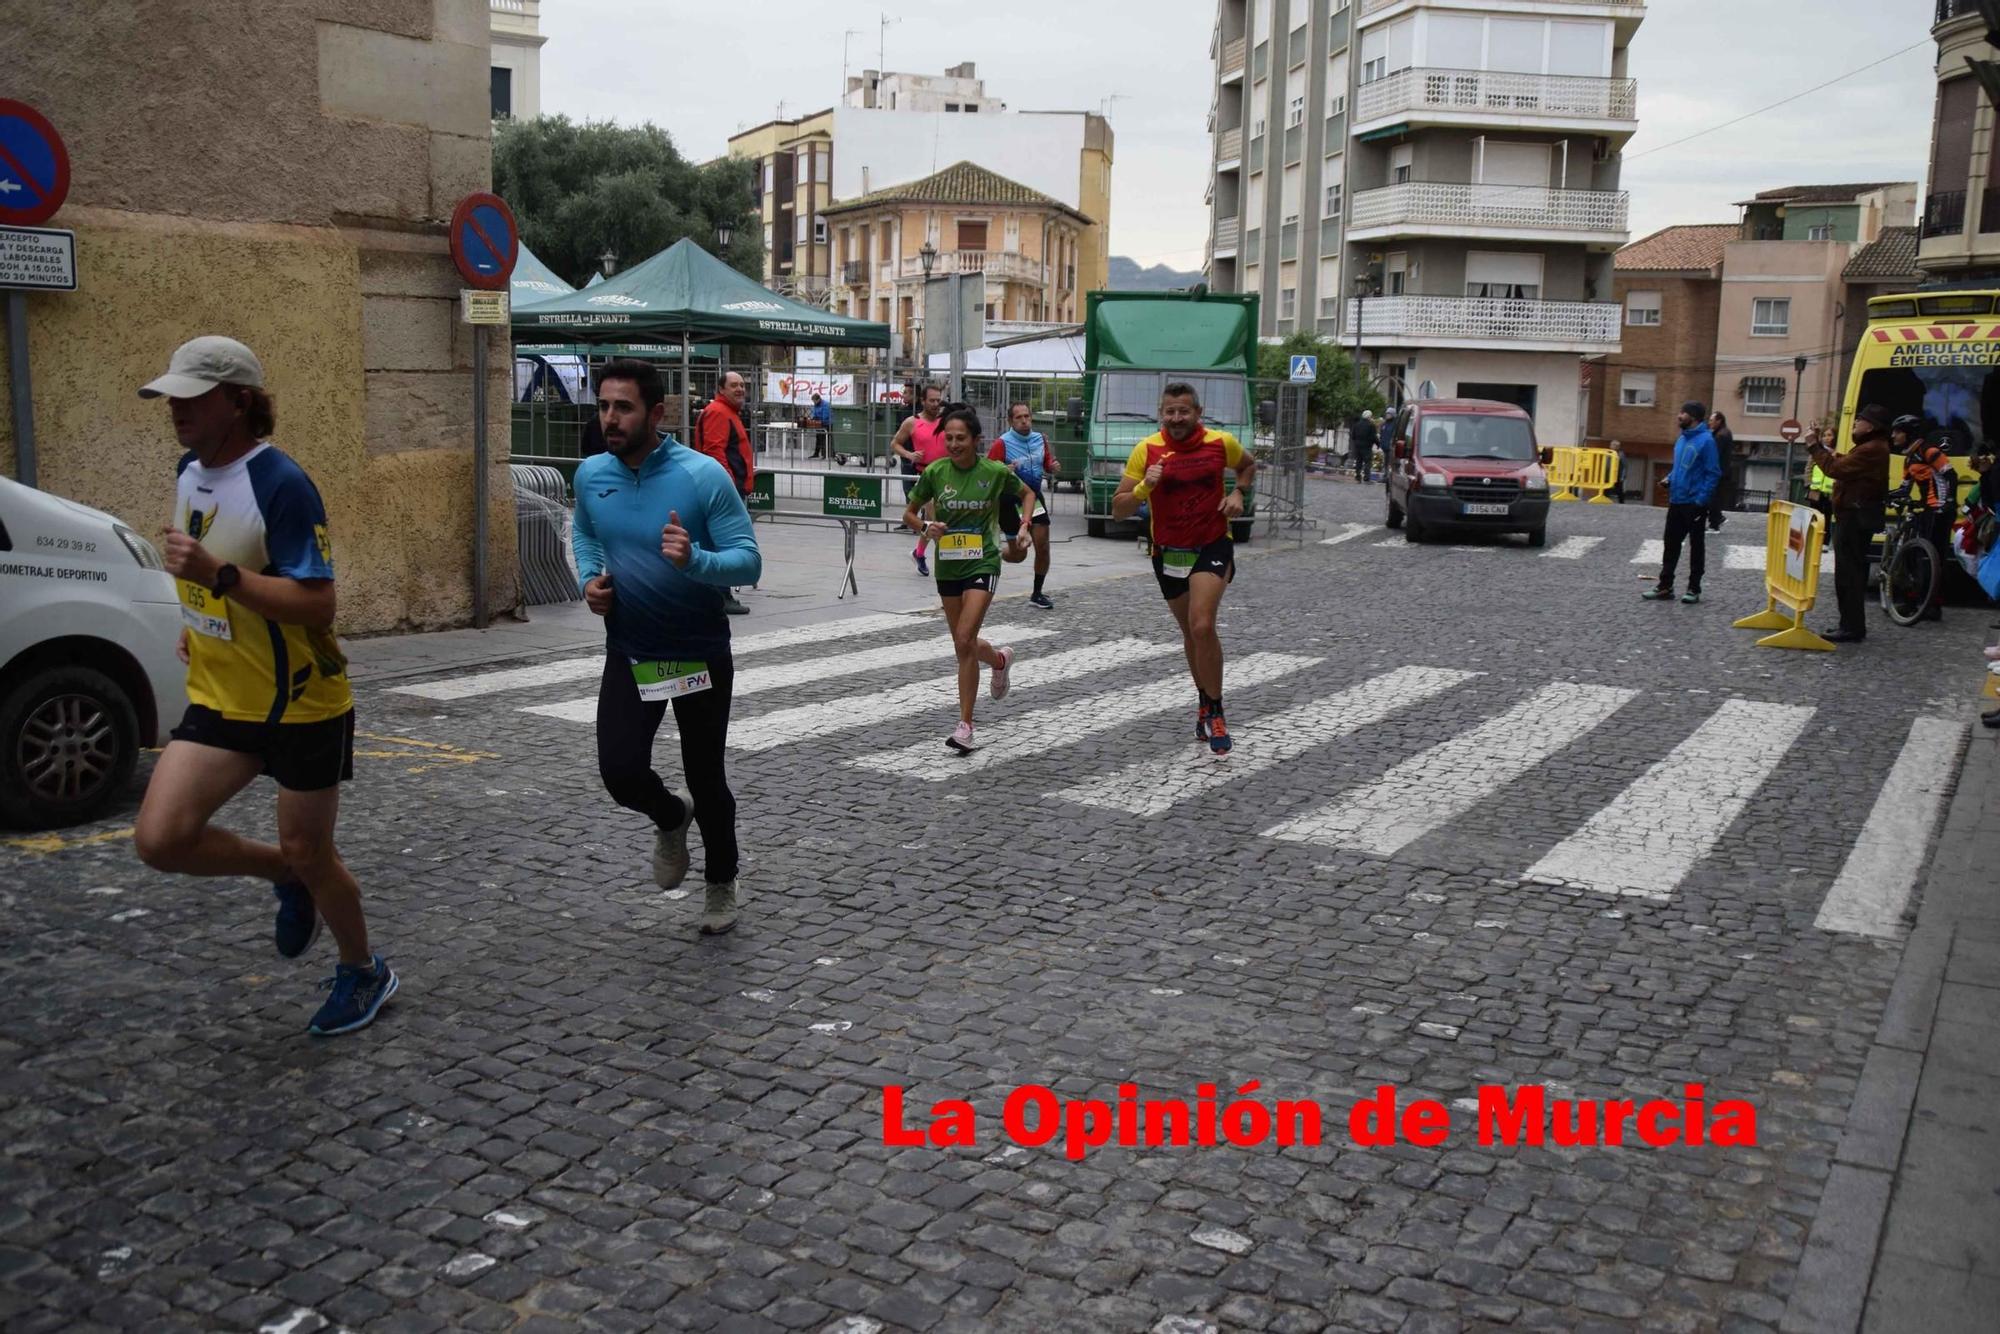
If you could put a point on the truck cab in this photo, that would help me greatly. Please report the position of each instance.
(1135, 344)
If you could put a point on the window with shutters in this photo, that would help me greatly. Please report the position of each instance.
(1642, 309)
(1771, 317)
(1636, 389)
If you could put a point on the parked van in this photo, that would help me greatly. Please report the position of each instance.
(1466, 464)
(89, 622)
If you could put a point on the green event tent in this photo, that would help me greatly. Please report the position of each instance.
(534, 281)
(685, 294)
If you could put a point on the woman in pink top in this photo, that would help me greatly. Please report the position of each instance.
(919, 442)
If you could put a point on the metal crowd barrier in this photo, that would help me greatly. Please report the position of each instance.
(541, 527)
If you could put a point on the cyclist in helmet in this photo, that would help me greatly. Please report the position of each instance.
(1932, 483)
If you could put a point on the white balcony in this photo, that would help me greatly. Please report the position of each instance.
(1494, 100)
(1501, 323)
(1227, 235)
(1231, 65)
(999, 265)
(1436, 208)
(1626, 11)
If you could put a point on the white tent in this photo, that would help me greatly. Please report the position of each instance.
(1055, 353)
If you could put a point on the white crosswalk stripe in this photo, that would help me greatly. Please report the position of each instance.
(577, 669)
(1874, 885)
(1073, 721)
(1572, 548)
(1735, 555)
(807, 721)
(1154, 786)
(1348, 532)
(1647, 840)
(782, 676)
(1422, 793)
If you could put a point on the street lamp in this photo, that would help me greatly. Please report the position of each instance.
(927, 256)
(608, 261)
(723, 234)
(1360, 310)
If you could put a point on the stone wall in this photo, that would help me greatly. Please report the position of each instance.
(280, 171)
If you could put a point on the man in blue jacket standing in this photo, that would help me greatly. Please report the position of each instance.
(660, 536)
(1690, 487)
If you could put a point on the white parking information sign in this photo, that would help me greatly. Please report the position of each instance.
(42, 259)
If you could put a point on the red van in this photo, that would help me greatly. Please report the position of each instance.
(1466, 463)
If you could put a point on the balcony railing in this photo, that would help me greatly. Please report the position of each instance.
(1442, 318)
(854, 272)
(1947, 10)
(1471, 92)
(1376, 6)
(1227, 232)
(1232, 57)
(1229, 148)
(1441, 204)
(1989, 211)
(1001, 264)
(1944, 213)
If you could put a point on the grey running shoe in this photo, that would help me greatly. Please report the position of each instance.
(719, 912)
(670, 846)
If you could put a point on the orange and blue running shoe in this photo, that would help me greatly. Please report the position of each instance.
(1218, 732)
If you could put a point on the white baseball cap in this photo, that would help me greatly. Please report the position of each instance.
(200, 364)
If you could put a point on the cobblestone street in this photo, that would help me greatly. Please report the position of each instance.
(1490, 820)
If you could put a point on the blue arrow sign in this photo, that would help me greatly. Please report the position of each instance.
(1305, 370)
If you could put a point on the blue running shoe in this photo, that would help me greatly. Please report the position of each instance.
(298, 920)
(357, 995)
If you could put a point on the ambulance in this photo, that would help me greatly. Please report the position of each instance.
(1935, 354)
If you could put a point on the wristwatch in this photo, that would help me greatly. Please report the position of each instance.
(226, 579)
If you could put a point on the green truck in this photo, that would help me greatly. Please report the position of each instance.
(1134, 343)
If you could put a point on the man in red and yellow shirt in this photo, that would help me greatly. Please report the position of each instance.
(1177, 473)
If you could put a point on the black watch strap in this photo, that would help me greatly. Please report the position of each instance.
(226, 579)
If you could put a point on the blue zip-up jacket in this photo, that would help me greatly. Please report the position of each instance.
(1696, 470)
(659, 612)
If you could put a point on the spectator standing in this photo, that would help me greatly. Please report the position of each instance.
(719, 432)
(1361, 440)
(1725, 458)
(1690, 487)
(822, 425)
(1858, 481)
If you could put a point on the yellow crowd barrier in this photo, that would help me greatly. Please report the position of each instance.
(1564, 470)
(1599, 473)
(1793, 536)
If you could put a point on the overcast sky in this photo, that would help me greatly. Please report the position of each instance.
(705, 71)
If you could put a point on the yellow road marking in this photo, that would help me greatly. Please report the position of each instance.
(437, 753)
(41, 845)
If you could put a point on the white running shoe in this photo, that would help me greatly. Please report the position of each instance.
(998, 688)
(960, 739)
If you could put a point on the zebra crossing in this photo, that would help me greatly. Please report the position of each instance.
(1723, 557)
(1067, 696)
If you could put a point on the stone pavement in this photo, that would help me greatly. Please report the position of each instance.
(1419, 870)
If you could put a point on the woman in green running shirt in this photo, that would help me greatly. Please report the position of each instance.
(968, 488)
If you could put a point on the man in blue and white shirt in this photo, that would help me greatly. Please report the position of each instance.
(1024, 449)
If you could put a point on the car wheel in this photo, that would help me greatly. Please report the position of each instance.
(69, 738)
(1395, 516)
(1413, 528)
(1538, 537)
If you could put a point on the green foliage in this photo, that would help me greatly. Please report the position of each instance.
(579, 190)
(1335, 397)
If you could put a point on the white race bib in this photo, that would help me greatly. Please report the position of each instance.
(203, 612)
(670, 680)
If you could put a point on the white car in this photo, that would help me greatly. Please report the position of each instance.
(89, 673)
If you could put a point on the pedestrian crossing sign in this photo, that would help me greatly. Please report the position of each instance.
(1305, 369)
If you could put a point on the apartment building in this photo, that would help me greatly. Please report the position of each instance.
(1960, 240)
(1025, 244)
(894, 129)
(515, 65)
(793, 184)
(1440, 187)
(1669, 289)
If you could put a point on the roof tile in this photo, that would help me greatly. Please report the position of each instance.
(960, 183)
(1693, 246)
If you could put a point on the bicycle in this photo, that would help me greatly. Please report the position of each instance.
(1910, 566)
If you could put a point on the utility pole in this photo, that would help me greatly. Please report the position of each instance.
(846, 40)
(882, 54)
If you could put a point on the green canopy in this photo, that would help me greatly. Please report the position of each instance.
(534, 281)
(685, 292)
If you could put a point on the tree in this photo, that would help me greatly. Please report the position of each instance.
(580, 190)
(1335, 397)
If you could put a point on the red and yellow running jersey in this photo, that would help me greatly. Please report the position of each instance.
(1186, 507)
